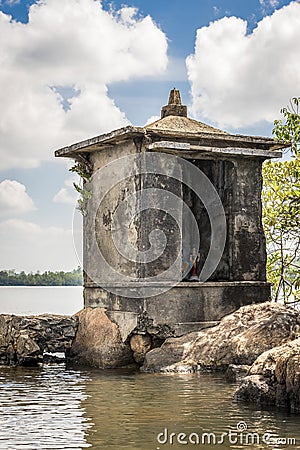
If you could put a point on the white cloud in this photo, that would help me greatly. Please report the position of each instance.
(14, 199)
(152, 119)
(238, 79)
(68, 44)
(67, 194)
(30, 247)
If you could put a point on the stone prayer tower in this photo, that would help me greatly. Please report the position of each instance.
(173, 236)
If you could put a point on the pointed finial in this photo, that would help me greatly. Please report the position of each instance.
(174, 107)
(174, 97)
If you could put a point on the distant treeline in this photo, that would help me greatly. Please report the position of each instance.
(48, 278)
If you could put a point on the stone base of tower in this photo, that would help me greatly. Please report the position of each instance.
(183, 308)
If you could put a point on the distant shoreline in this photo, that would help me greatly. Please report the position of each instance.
(12, 278)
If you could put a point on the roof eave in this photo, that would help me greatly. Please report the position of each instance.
(271, 143)
(96, 142)
(113, 137)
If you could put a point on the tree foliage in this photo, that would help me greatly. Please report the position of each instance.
(85, 194)
(48, 278)
(282, 227)
(288, 129)
(281, 210)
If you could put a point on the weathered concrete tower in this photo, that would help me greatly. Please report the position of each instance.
(217, 177)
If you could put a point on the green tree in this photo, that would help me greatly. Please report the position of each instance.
(48, 278)
(85, 175)
(288, 128)
(281, 210)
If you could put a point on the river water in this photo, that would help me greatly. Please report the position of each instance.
(54, 407)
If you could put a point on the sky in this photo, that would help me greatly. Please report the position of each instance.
(73, 69)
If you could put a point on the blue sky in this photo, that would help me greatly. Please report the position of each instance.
(78, 68)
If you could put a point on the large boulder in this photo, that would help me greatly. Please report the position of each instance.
(98, 342)
(239, 339)
(274, 378)
(25, 339)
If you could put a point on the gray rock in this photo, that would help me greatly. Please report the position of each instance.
(239, 339)
(236, 373)
(256, 389)
(274, 378)
(140, 344)
(24, 339)
(98, 342)
(167, 358)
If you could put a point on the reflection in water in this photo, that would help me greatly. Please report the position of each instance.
(58, 408)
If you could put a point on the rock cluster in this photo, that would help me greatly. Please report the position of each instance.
(103, 341)
(239, 339)
(258, 345)
(274, 378)
(24, 339)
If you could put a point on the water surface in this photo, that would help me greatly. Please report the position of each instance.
(26, 300)
(62, 408)
(56, 407)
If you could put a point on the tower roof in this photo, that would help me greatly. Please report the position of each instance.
(175, 125)
(178, 123)
(174, 118)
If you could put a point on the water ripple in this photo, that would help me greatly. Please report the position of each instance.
(41, 409)
(59, 408)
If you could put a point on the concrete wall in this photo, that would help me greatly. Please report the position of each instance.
(239, 278)
(248, 248)
(99, 217)
(185, 303)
